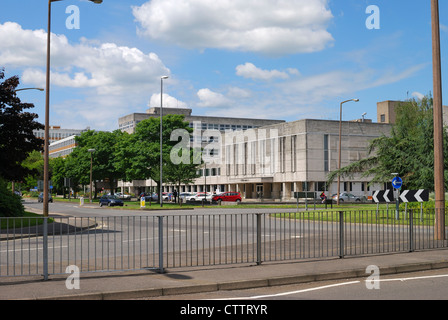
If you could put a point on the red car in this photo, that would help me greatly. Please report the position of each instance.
(228, 196)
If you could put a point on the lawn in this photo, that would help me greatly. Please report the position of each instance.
(28, 220)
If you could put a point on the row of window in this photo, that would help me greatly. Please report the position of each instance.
(221, 127)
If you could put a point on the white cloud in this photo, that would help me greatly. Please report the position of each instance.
(109, 68)
(249, 70)
(212, 99)
(265, 26)
(112, 77)
(418, 95)
(168, 102)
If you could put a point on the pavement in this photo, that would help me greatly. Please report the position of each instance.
(147, 284)
(176, 281)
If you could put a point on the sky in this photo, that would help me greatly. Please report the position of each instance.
(265, 59)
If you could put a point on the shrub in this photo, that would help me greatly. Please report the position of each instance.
(10, 204)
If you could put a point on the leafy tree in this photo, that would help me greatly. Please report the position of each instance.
(78, 165)
(17, 139)
(408, 151)
(145, 152)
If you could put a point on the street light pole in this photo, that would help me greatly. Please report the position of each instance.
(161, 144)
(91, 170)
(47, 110)
(340, 146)
(439, 187)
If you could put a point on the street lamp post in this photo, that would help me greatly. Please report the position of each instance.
(40, 89)
(91, 167)
(161, 144)
(340, 146)
(47, 110)
(439, 178)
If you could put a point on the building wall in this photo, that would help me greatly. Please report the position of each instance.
(280, 159)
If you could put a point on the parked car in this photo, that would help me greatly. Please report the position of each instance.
(148, 196)
(167, 196)
(185, 195)
(123, 196)
(347, 197)
(190, 197)
(110, 201)
(200, 196)
(228, 196)
(40, 198)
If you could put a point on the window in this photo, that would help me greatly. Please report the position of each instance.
(383, 118)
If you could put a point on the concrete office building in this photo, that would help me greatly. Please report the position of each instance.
(63, 147)
(275, 160)
(129, 123)
(386, 112)
(56, 133)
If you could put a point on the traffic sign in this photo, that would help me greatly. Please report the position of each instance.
(383, 196)
(415, 195)
(397, 182)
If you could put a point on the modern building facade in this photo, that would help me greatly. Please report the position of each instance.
(129, 123)
(56, 133)
(63, 147)
(263, 160)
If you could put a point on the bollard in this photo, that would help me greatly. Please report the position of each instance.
(81, 201)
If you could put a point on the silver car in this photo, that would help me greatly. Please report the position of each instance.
(347, 197)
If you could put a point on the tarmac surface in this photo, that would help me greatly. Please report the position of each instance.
(147, 284)
(176, 281)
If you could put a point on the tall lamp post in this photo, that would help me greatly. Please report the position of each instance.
(91, 172)
(161, 145)
(47, 110)
(340, 145)
(439, 178)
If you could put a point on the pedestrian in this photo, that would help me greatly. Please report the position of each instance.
(323, 197)
(175, 195)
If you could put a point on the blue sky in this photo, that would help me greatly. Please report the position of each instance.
(277, 59)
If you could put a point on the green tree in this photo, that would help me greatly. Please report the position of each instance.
(145, 152)
(104, 161)
(17, 139)
(408, 151)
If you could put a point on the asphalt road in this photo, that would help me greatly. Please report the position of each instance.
(425, 285)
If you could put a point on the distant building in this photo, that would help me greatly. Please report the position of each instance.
(386, 112)
(56, 133)
(63, 147)
(129, 123)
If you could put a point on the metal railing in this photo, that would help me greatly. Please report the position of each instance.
(44, 246)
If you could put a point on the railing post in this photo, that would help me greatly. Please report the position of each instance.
(341, 234)
(411, 230)
(259, 239)
(45, 249)
(160, 220)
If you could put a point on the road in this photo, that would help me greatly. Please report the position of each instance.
(425, 285)
(128, 239)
